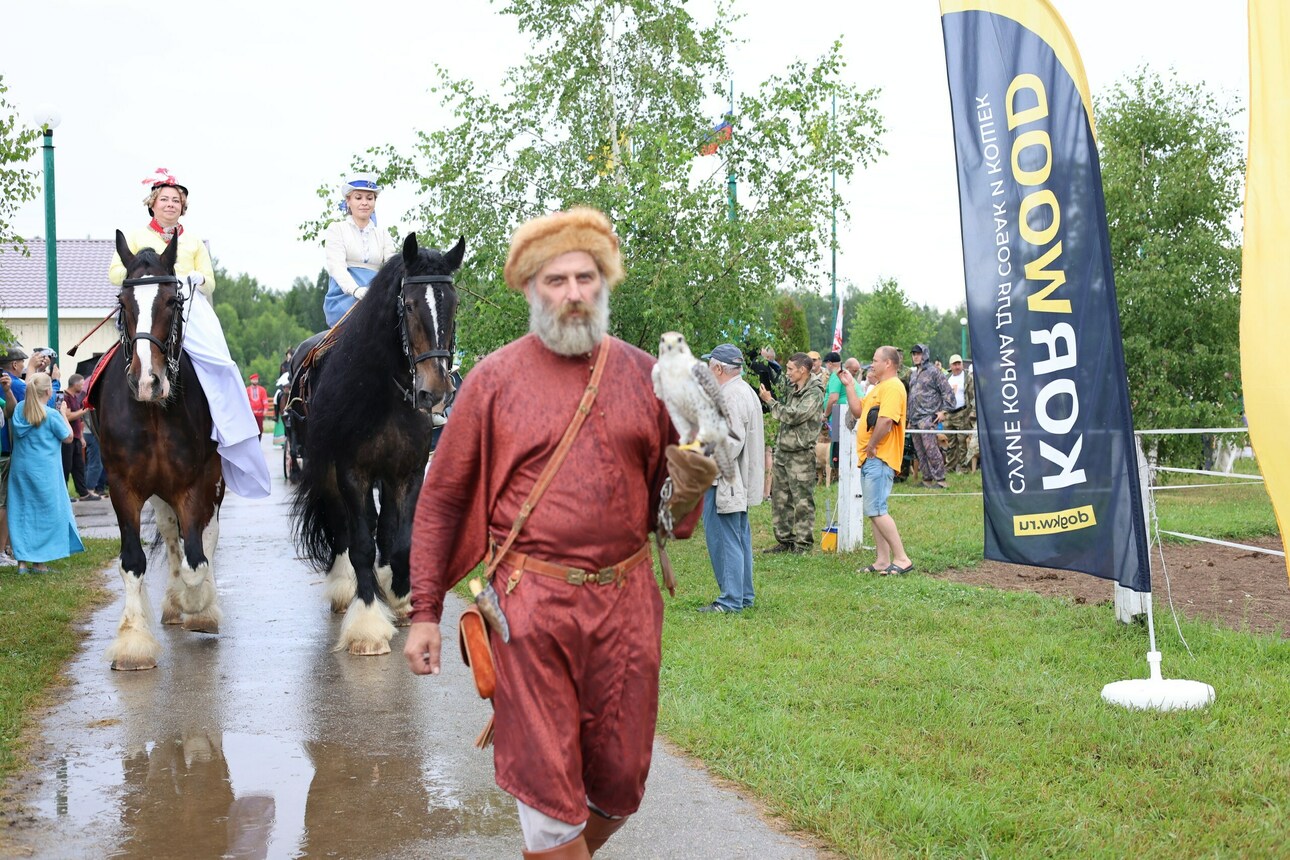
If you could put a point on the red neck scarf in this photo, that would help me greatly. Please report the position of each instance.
(167, 233)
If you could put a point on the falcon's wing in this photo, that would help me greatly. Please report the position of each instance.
(710, 387)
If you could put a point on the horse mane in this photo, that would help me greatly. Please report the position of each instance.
(147, 257)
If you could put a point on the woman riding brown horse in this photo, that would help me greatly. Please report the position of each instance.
(154, 428)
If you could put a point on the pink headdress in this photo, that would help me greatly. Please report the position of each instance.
(161, 178)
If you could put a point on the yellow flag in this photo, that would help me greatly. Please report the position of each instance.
(1265, 279)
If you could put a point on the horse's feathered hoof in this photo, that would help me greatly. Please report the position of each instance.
(137, 664)
(369, 649)
(401, 620)
(201, 624)
(172, 615)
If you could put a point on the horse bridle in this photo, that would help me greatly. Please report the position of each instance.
(413, 360)
(169, 349)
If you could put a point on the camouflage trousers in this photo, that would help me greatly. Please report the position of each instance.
(957, 455)
(792, 498)
(931, 461)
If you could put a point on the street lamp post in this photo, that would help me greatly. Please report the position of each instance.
(48, 120)
(963, 332)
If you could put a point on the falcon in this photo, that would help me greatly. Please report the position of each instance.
(692, 396)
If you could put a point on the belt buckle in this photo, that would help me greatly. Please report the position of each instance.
(605, 576)
(573, 576)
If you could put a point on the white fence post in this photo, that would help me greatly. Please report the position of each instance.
(1130, 603)
(850, 496)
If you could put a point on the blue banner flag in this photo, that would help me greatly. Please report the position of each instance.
(1058, 459)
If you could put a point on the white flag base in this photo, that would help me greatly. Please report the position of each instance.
(1157, 693)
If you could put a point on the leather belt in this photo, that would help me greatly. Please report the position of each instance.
(615, 573)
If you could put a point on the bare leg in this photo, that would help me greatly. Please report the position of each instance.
(884, 528)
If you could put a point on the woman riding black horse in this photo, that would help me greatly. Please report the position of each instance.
(367, 391)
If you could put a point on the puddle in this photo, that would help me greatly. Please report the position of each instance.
(206, 794)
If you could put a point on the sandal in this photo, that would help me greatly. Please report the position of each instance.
(873, 569)
(40, 568)
(22, 568)
(897, 570)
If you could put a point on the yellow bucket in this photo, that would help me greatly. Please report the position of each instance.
(829, 539)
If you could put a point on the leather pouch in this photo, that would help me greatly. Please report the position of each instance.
(472, 634)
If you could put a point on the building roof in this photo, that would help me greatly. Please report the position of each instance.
(82, 275)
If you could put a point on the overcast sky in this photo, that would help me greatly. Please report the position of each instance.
(254, 104)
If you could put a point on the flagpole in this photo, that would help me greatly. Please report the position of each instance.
(730, 175)
(834, 294)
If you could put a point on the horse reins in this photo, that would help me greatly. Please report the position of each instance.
(169, 349)
(414, 360)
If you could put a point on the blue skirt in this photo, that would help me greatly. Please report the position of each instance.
(338, 302)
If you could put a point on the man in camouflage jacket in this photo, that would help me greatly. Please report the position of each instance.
(792, 495)
(930, 399)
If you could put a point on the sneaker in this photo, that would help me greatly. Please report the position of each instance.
(7, 560)
(91, 496)
(716, 607)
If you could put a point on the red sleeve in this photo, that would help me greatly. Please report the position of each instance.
(450, 529)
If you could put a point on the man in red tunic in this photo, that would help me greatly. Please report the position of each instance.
(577, 685)
(259, 398)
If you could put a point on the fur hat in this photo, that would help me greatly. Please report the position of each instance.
(543, 239)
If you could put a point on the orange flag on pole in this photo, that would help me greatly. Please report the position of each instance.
(1265, 276)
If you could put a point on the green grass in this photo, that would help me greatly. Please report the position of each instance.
(911, 716)
(38, 617)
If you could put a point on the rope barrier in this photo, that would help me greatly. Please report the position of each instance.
(1195, 486)
(1207, 472)
(1225, 543)
(1191, 430)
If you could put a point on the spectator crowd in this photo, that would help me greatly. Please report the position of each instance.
(915, 418)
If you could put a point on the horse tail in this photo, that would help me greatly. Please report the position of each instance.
(315, 495)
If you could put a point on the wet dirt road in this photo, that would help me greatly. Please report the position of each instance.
(261, 742)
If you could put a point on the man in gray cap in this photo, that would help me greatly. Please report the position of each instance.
(726, 504)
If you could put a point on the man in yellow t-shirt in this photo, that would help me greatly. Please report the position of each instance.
(880, 444)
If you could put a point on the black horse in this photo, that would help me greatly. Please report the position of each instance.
(154, 428)
(366, 394)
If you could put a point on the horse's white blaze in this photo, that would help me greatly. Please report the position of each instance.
(432, 302)
(144, 297)
(135, 645)
(366, 629)
(342, 583)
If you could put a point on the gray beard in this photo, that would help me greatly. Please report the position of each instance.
(573, 336)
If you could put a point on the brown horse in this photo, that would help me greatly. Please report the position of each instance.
(154, 428)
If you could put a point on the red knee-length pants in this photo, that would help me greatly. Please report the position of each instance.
(577, 692)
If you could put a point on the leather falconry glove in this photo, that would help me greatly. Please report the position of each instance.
(692, 473)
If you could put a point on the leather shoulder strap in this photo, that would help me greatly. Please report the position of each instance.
(557, 458)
